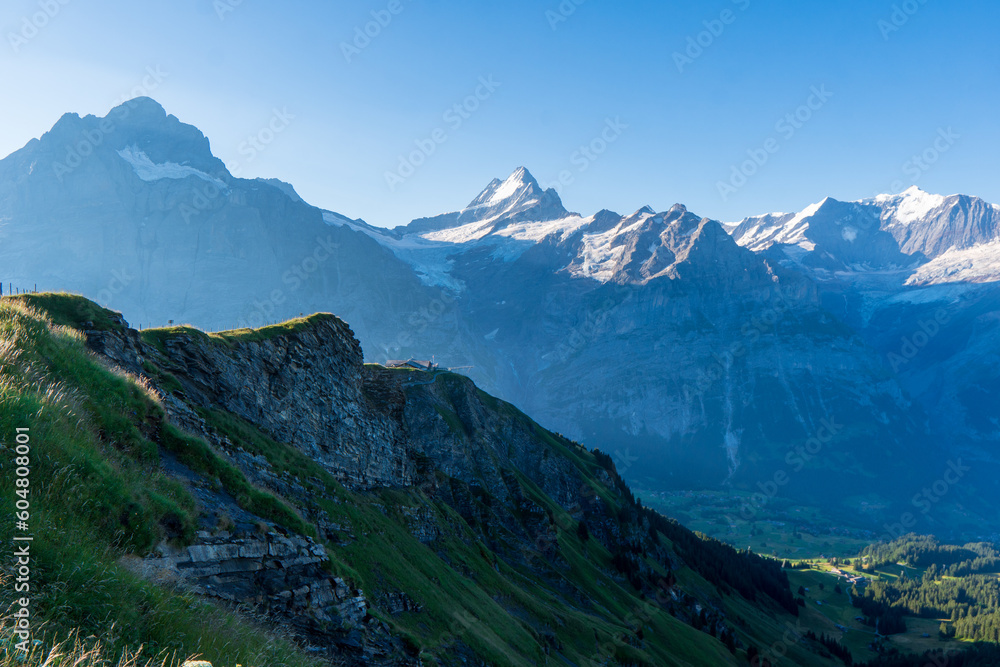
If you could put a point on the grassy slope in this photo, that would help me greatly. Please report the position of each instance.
(837, 610)
(157, 337)
(98, 496)
(499, 611)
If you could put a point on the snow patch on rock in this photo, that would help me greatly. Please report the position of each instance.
(149, 171)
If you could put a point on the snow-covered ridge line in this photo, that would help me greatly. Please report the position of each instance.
(911, 206)
(512, 215)
(955, 237)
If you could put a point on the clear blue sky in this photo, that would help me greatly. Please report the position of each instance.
(892, 91)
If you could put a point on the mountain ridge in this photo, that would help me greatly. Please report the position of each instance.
(654, 333)
(923, 227)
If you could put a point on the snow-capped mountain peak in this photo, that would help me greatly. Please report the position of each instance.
(516, 199)
(954, 237)
(911, 205)
(519, 188)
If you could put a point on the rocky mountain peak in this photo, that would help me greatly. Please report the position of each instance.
(145, 106)
(140, 126)
(934, 224)
(517, 198)
(519, 187)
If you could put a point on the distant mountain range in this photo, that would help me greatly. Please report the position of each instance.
(849, 350)
(928, 239)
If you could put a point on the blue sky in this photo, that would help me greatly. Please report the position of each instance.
(664, 121)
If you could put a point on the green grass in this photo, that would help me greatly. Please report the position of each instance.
(200, 457)
(164, 380)
(837, 610)
(159, 336)
(450, 418)
(497, 610)
(286, 328)
(99, 499)
(285, 459)
(467, 594)
(70, 310)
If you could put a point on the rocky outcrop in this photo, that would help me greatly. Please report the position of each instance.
(479, 440)
(279, 575)
(283, 579)
(302, 386)
(117, 343)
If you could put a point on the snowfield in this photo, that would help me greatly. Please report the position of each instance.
(148, 171)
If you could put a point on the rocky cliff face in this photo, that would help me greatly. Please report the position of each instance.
(301, 384)
(278, 575)
(933, 224)
(473, 437)
(305, 389)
